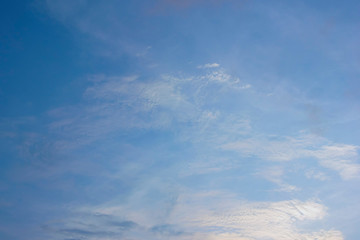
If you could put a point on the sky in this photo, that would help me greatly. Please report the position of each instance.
(179, 120)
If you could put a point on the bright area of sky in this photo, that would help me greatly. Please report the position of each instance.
(180, 120)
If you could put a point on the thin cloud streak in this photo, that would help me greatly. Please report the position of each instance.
(341, 158)
(209, 65)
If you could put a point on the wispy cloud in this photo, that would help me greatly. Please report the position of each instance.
(212, 215)
(113, 34)
(209, 65)
(338, 157)
(311, 173)
(117, 103)
(341, 158)
(275, 174)
(224, 216)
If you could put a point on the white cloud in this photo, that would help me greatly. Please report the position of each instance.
(209, 65)
(324, 235)
(223, 81)
(246, 86)
(221, 77)
(341, 158)
(338, 157)
(223, 217)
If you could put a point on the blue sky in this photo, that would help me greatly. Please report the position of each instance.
(193, 119)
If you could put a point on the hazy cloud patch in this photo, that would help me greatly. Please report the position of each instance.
(341, 158)
(209, 65)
